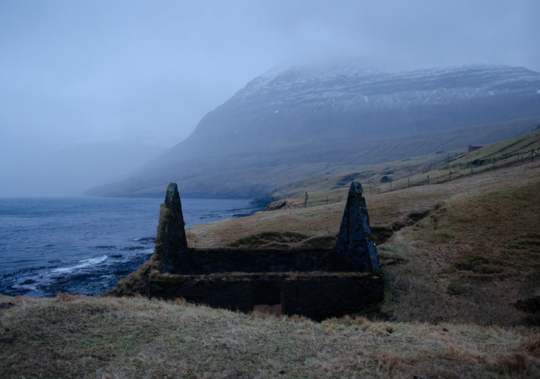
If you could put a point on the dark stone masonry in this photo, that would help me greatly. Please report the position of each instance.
(355, 245)
(314, 283)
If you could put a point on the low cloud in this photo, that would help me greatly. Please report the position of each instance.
(74, 73)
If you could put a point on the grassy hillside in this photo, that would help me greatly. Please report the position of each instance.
(77, 336)
(509, 149)
(469, 248)
(472, 259)
(430, 169)
(370, 175)
(257, 168)
(461, 260)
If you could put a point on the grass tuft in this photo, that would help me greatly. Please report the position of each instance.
(320, 243)
(275, 239)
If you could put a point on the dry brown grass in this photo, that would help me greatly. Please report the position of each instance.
(470, 260)
(384, 209)
(75, 337)
(474, 257)
(370, 175)
(410, 172)
(519, 146)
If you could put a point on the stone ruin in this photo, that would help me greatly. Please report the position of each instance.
(313, 283)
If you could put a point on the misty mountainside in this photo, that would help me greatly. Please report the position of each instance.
(295, 123)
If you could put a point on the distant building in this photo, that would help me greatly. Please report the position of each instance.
(475, 147)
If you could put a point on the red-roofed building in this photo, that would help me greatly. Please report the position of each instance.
(475, 147)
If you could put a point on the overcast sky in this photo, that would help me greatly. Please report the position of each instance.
(73, 72)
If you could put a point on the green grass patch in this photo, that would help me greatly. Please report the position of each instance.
(526, 241)
(455, 288)
(320, 243)
(263, 239)
(471, 263)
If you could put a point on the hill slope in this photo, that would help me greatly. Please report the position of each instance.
(77, 336)
(466, 250)
(287, 125)
(412, 171)
(455, 255)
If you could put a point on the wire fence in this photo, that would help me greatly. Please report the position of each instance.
(513, 158)
(325, 200)
(297, 195)
(445, 172)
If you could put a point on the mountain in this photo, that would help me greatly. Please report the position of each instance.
(293, 123)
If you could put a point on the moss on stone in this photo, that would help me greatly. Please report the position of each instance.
(137, 282)
(165, 217)
(263, 239)
(320, 243)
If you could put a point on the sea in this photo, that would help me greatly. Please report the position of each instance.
(84, 245)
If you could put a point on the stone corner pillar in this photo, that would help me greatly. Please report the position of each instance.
(355, 247)
(171, 242)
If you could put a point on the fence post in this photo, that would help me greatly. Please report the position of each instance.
(450, 175)
(305, 201)
(428, 179)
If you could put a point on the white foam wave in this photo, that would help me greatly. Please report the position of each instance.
(25, 287)
(83, 263)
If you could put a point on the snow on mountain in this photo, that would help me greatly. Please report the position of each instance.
(293, 122)
(360, 86)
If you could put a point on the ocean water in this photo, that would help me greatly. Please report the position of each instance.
(85, 244)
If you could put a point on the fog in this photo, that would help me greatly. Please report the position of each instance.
(91, 90)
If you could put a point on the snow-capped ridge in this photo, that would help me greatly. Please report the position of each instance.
(383, 86)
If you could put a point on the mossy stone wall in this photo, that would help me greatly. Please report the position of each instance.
(323, 297)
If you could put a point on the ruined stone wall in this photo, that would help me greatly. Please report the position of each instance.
(208, 261)
(234, 293)
(171, 242)
(355, 246)
(312, 283)
(314, 295)
(320, 297)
